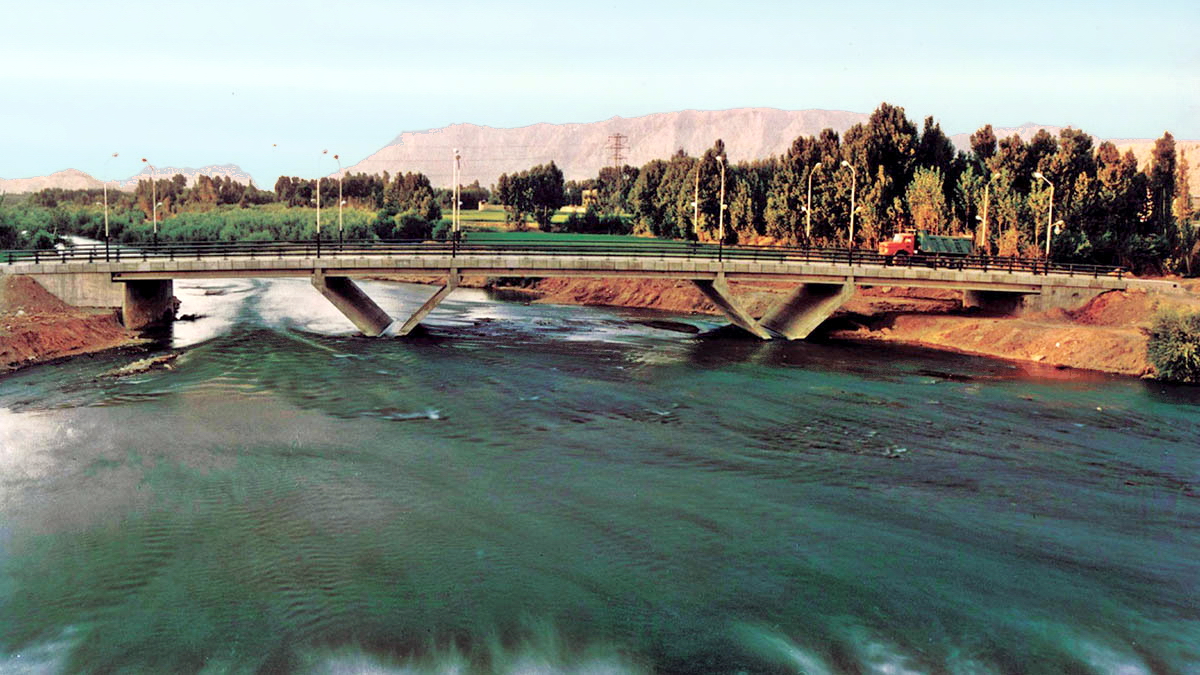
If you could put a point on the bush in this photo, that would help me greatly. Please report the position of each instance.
(410, 225)
(42, 241)
(1174, 345)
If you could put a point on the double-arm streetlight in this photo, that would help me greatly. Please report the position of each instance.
(323, 152)
(341, 202)
(106, 163)
(853, 185)
(808, 206)
(153, 199)
(1050, 212)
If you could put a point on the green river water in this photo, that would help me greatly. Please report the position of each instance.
(531, 488)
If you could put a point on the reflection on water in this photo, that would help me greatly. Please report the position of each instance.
(551, 489)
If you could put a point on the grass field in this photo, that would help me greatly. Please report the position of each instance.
(561, 238)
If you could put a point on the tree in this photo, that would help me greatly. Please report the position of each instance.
(934, 149)
(412, 192)
(546, 192)
(538, 191)
(643, 199)
(927, 201)
(1162, 182)
(983, 145)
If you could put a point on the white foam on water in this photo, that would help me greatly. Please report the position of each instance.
(877, 655)
(453, 663)
(542, 651)
(1105, 659)
(41, 659)
(774, 646)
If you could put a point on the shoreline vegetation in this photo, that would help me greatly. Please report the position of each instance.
(1106, 208)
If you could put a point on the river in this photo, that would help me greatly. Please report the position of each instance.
(535, 488)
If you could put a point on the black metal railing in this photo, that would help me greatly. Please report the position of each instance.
(94, 253)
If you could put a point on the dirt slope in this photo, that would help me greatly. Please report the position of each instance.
(35, 326)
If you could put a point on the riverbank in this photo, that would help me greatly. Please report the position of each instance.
(36, 327)
(1108, 334)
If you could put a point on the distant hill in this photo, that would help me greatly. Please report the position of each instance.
(233, 171)
(73, 179)
(581, 150)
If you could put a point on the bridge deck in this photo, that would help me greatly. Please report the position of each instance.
(139, 280)
(566, 265)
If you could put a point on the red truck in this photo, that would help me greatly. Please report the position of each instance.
(921, 242)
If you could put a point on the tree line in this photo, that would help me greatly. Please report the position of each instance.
(1097, 204)
(1106, 209)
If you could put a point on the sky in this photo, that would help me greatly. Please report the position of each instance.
(269, 85)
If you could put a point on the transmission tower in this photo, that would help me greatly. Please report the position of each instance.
(616, 144)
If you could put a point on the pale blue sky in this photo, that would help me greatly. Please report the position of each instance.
(209, 82)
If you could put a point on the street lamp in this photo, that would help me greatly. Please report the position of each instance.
(721, 212)
(323, 152)
(341, 202)
(153, 199)
(853, 185)
(456, 207)
(106, 163)
(1050, 212)
(808, 206)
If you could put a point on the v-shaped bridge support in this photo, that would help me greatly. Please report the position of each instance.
(794, 317)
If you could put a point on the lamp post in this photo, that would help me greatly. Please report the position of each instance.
(1050, 212)
(106, 163)
(341, 202)
(721, 213)
(153, 200)
(808, 206)
(323, 152)
(456, 207)
(853, 186)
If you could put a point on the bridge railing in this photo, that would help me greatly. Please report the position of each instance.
(649, 249)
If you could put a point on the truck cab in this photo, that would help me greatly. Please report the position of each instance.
(902, 243)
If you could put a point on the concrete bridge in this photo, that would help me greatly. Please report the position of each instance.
(140, 281)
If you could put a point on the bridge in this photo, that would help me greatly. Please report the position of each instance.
(140, 280)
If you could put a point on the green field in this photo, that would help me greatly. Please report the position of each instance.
(534, 237)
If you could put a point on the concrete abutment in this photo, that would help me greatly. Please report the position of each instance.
(1050, 298)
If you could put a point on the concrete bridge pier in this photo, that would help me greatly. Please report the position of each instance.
(147, 303)
(350, 300)
(436, 299)
(717, 290)
(798, 315)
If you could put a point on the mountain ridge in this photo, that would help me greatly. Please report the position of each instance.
(581, 149)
